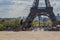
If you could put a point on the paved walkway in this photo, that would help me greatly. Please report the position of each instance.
(30, 35)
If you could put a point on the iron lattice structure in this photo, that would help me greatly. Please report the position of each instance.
(38, 11)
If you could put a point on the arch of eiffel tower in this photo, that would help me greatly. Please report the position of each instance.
(37, 11)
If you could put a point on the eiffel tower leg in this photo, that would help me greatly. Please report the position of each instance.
(53, 19)
(28, 22)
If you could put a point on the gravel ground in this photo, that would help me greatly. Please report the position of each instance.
(31, 35)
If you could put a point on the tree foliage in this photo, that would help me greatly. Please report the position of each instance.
(58, 22)
(5, 23)
(2, 27)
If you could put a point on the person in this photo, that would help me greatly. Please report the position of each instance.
(21, 22)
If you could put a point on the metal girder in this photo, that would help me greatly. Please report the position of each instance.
(36, 11)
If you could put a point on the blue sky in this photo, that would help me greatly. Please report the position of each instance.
(16, 8)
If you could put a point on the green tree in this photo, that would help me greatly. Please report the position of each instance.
(58, 22)
(2, 27)
(14, 22)
(49, 23)
(35, 22)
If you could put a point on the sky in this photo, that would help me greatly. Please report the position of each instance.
(17, 8)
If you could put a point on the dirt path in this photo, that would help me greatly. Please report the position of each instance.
(29, 35)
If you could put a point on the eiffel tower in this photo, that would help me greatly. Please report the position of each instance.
(38, 11)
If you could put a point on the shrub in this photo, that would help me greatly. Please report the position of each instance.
(2, 27)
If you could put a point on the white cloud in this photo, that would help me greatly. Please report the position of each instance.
(22, 7)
